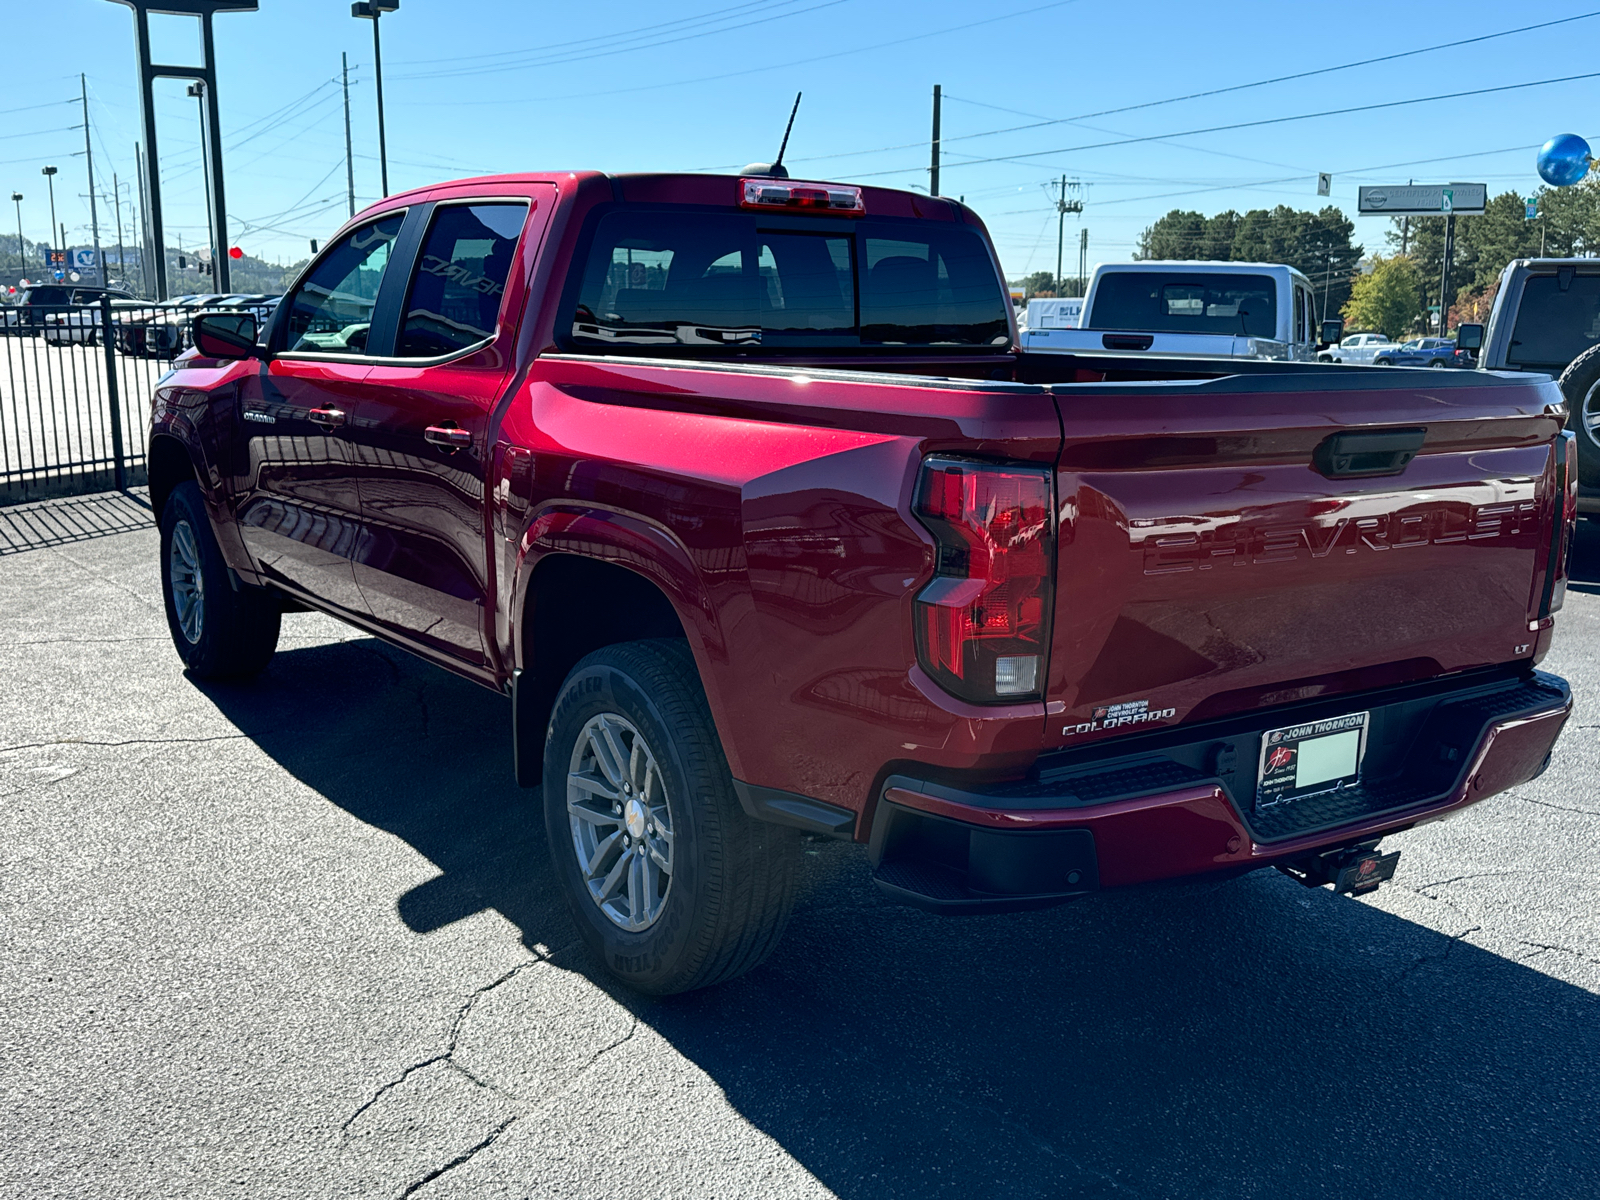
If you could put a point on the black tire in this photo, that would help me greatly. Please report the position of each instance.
(1383, 362)
(1580, 384)
(237, 629)
(1438, 363)
(732, 878)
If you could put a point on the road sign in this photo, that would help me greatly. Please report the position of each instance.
(1531, 212)
(1423, 200)
(1324, 183)
(83, 260)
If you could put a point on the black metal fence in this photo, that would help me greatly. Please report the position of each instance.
(75, 387)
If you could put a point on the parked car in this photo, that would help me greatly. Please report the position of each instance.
(83, 323)
(1210, 309)
(1419, 352)
(34, 305)
(742, 492)
(1357, 348)
(1546, 320)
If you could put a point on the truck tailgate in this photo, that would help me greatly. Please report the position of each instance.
(1208, 565)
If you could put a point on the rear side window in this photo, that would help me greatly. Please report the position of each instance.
(662, 278)
(332, 309)
(461, 278)
(1160, 302)
(1555, 325)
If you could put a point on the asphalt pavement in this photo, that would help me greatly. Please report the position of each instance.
(299, 939)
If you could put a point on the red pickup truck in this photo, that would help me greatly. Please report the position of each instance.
(742, 492)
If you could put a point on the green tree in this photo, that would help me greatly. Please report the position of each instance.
(1387, 298)
(1038, 284)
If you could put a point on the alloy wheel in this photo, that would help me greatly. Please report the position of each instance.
(620, 822)
(188, 585)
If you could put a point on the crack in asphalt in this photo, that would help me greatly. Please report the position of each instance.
(152, 637)
(1425, 959)
(1588, 812)
(455, 1162)
(448, 1056)
(185, 741)
(144, 601)
(1543, 947)
(1421, 889)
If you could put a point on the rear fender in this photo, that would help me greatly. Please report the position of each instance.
(638, 545)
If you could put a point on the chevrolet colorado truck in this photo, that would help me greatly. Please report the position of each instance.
(742, 492)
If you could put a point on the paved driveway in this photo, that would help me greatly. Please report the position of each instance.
(298, 939)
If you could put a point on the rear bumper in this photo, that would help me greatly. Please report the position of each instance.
(1183, 805)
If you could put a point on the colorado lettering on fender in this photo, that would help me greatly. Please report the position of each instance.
(1114, 716)
(1246, 544)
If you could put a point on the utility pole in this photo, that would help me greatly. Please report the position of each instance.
(88, 155)
(50, 175)
(1083, 262)
(371, 10)
(116, 198)
(349, 155)
(1063, 207)
(1405, 226)
(933, 171)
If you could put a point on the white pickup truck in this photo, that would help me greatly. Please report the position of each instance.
(1358, 348)
(1193, 309)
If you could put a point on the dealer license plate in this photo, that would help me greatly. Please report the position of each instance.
(1310, 759)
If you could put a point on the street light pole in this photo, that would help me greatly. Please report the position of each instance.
(50, 175)
(22, 261)
(371, 10)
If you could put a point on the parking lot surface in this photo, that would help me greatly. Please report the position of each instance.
(298, 938)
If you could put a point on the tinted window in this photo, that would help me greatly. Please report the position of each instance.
(461, 278)
(332, 309)
(1553, 326)
(46, 295)
(1159, 302)
(663, 278)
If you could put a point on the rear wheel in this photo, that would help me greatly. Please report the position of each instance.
(222, 629)
(1437, 363)
(1580, 384)
(671, 885)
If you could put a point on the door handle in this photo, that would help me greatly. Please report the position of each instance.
(328, 418)
(451, 436)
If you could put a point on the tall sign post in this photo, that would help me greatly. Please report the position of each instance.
(205, 74)
(1429, 200)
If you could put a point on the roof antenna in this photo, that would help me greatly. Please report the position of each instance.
(776, 169)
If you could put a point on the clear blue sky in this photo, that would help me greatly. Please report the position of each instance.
(476, 86)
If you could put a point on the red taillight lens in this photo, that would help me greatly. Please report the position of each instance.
(983, 621)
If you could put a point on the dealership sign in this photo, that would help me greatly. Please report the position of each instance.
(1423, 200)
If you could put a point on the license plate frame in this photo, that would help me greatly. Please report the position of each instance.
(1316, 746)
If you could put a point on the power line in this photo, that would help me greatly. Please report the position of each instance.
(624, 46)
(1257, 124)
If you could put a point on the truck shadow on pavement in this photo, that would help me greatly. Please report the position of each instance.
(1249, 1038)
(1585, 564)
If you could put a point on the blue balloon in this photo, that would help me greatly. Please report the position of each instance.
(1564, 160)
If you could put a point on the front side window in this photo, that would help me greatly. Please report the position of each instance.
(744, 281)
(332, 310)
(461, 278)
(1184, 302)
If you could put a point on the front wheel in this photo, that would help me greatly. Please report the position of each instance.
(223, 629)
(1383, 362)
(671, 885)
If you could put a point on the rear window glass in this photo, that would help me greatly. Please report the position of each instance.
(1153, 302)
(661, 278)
(1554, 326)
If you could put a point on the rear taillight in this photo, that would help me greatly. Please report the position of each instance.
(983, 621)
(1564, 513)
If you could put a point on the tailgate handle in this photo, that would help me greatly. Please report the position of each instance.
(1358, 453)
(1127, 341)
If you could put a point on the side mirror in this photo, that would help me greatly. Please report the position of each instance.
(1332, 332)
(225, 335)
(1469, 337)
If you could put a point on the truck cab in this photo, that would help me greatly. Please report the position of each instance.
(1193, 309)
